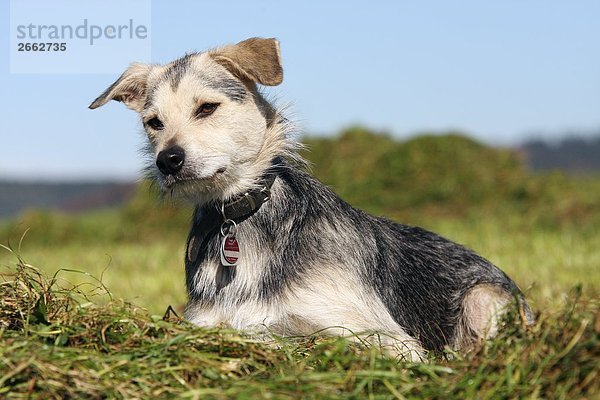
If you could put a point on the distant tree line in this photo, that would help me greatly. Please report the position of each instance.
(572, 154)
(17, 196)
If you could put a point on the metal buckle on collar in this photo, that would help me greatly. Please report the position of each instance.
(250, 200)
(267, 193)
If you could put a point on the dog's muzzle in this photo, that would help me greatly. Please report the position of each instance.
(170, 161)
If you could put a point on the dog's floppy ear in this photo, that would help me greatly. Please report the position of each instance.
(130, 88)
(256, 59)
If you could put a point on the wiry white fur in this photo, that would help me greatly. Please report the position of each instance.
(327, 302)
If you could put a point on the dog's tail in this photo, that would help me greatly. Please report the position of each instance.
(483, 308)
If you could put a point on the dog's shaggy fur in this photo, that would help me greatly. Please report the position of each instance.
(308, 260)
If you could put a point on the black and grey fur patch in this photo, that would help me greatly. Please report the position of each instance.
(230, 86)
(177, 70)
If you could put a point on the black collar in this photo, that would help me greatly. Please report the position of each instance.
(245, 205)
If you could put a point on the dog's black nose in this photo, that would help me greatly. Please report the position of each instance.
(170, 161)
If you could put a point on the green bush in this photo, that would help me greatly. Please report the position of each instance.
(447, 175)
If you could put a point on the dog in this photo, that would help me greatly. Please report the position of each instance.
(273, 249)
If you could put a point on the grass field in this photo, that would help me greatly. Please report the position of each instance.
(82, 298)
(545, 263)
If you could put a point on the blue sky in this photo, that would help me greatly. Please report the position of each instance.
(501, 71)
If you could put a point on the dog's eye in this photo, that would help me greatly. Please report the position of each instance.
(155, 124)
(206, 109)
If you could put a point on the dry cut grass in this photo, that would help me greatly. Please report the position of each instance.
(57, 342)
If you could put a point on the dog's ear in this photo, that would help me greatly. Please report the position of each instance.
(256, 59)
(130, 88)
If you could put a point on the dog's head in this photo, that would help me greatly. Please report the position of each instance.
(204, 119)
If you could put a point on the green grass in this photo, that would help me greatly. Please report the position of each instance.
(150, 276)
(55, 343)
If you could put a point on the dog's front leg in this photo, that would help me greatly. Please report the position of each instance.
(203, 316)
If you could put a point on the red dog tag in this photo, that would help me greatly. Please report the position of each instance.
(230, 251)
